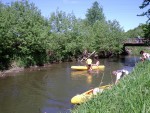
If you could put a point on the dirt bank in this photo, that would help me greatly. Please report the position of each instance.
(15, 69)
(12, 70)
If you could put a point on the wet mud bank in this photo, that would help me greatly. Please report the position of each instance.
(14, 70)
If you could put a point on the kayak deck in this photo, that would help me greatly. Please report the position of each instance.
(85, 67)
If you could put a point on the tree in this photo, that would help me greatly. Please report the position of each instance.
(147, 13)
(95, 13)
(138, 31)
(108, 36)
(23, 34)
(146, 27)
(65, 31)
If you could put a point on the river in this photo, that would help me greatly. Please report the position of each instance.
(49, 89)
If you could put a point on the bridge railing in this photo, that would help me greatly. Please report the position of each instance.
(135, 40)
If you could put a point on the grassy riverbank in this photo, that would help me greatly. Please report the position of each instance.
(136, 50)
(130, 95)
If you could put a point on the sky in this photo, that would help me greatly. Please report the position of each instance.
(124, 11)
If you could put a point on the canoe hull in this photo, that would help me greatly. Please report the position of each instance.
(84, 97)
(85, 67)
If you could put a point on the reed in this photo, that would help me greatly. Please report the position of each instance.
(130, 95)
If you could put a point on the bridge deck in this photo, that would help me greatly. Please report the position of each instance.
(136, 42)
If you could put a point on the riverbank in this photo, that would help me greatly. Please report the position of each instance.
(16, 69)
(12, 70)
(130, 95)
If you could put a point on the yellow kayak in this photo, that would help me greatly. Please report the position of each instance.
(81, 98)
(85, 67)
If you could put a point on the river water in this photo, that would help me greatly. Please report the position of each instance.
(49, 90)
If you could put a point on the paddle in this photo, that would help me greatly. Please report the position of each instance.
(87, 57)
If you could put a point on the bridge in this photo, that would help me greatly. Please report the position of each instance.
(135, 42)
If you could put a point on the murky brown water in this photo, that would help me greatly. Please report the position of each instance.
(49, 90)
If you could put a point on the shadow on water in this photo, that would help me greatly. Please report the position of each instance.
(50, 90)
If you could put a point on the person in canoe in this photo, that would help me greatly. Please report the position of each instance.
(145, 56)
(89, 64)
(97, 61)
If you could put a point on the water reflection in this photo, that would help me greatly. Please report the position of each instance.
(129, 60)
(87, 75)
(77, 75)
(49, 90)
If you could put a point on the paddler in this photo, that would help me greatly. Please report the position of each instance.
(97, 61)
(89, 64)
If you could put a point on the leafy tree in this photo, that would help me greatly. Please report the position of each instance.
(64, 33)
(108, 36)
(24, 31)
(146, 27)
(31, 29)
(7, 19)
(61, 22)
(138, 31)
(95, 13)
(30, 39)
(116, 36)
(147, 13)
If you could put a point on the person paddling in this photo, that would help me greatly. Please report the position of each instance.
(89, 64)
(97, 61)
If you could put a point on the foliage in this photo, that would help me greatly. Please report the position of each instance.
(146, 27)
(95, 13)
(106, 33)
(138, 31)
(116, 36)
(147, 13)
(64, 36)
(30, 39)
(23, 33)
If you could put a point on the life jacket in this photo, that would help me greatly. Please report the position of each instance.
(89, 61)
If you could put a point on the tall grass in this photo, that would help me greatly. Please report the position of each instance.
(130, 95)
(136, 50)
